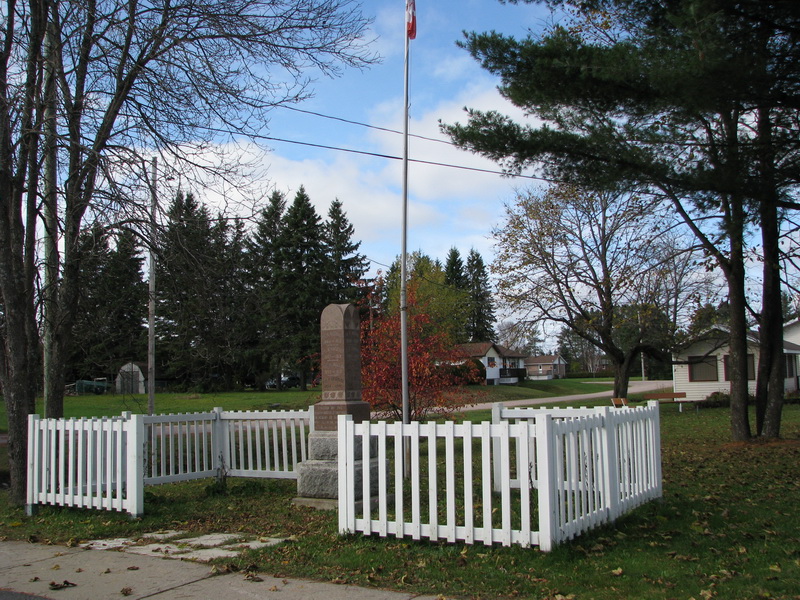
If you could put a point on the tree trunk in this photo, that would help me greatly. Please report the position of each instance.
(737, 363)
(770, 391)
(622, 375)
(19, 381)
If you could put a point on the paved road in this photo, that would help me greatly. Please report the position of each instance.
(635, 387)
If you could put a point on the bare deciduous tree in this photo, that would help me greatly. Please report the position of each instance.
(593, 262)
(133, 78)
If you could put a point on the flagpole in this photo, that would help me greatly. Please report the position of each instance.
(404, 252)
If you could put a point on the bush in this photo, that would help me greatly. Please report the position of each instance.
(717, 400)
(722, 400)
(792, 397)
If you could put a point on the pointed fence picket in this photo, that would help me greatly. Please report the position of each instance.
(105, 462)
(532, 477)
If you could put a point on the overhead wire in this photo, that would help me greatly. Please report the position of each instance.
(389, 156)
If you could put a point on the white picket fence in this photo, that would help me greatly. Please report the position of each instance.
(533, 477)
(105, 463)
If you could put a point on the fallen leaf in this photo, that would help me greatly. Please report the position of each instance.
(133, 568)
(617, 572)
(126, 591)
(62, 585)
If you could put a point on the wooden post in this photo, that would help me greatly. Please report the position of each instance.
(547, 482)
(134, 468)
(497, 418)
(610, 464)
(346, 460)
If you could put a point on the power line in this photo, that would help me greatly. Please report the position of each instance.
(391, 157)
(367, 125)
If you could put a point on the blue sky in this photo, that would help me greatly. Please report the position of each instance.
(447, 207)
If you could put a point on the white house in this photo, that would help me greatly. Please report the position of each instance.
(702, 368)
(502, 364)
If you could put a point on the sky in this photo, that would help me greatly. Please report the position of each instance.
(447, 207)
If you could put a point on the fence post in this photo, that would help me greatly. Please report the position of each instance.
(134, 469)
(497, 468)
(33, 467)
(655, 424)
(548, 505)
(219, 444)
(346, 458)
(611, 464)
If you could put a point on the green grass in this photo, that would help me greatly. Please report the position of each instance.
(726, 528)
(114, 404)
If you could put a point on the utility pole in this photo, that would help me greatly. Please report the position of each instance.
(151, 312)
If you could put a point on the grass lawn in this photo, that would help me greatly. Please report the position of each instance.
(114, 404)
(726, 528)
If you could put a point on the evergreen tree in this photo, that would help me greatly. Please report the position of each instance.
(266, 305)
(300, 283)
(480, 327)
(227, 325)
(183, 292)
(112, 306)
(454, 274)
(345, 266)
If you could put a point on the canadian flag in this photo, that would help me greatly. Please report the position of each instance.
(411, 19)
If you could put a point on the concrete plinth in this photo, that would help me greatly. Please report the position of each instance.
(320, 478)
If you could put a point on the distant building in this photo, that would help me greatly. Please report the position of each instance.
(131, 379)
(502, 364)
(549, 366)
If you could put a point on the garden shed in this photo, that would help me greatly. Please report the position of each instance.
(131, 379)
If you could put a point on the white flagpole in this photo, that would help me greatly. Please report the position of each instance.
(404, 254)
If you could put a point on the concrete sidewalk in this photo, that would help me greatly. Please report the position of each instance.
(97, 574)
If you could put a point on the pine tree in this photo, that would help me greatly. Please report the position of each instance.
(183, 291)
(480, 327)
(454, 274)
(112, 306)
(455, 278)
(265, 303)
(346, 267)
(301, 283)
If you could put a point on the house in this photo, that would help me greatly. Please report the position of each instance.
(502, 364)
(549, 366)
(701, 368)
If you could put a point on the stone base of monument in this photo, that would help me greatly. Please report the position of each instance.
(318, 477)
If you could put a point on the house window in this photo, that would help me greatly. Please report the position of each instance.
(790, 366)
(751, 367)
(703, 368)
(491, 361)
